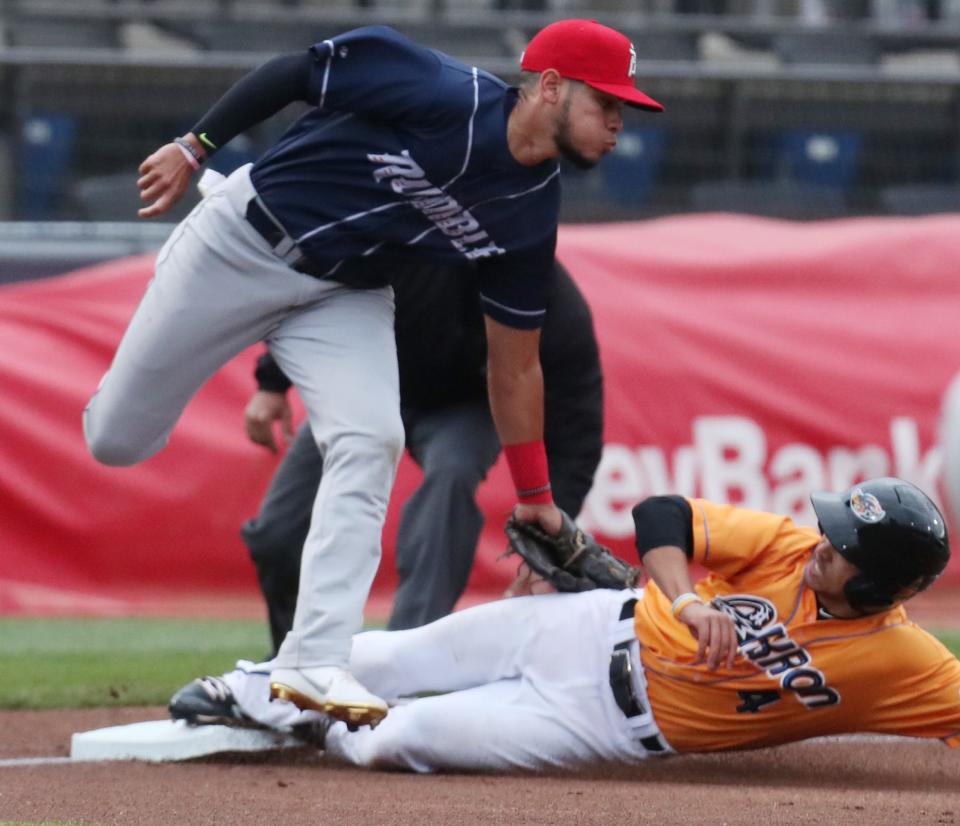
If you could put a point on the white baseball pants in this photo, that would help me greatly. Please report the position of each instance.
(528, 681)
(217, 289)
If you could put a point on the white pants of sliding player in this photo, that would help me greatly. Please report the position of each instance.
(219, 288)
(527, 682)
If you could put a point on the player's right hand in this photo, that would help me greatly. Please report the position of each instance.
(164, 177)
(715, 633)
(263, 409)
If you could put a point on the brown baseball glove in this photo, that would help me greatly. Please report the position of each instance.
(571, 561)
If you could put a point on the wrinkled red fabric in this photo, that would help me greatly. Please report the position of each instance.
(744, 358)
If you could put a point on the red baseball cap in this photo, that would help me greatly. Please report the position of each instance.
(585, 50)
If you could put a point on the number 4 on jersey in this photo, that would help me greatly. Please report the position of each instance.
(753, 701)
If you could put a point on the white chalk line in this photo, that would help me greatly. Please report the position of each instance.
(35, 761)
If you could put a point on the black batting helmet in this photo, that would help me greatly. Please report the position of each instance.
(892, 532)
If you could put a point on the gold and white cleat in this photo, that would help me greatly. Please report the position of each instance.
(330, 690)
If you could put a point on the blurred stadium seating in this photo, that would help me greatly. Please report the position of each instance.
(921, 199)
(800, 108)
(783, 199)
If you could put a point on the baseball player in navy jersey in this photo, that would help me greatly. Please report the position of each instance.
(406, 153)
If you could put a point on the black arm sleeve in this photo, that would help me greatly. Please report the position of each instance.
(664, 520)
(573, 394)
(255, 97)
(269, 376)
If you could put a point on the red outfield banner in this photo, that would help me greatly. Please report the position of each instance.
(745, 360)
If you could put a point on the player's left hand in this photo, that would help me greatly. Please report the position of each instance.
(715, 633)
(547, 516)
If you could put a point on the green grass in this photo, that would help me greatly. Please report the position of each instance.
(951, 639)
(78, 663)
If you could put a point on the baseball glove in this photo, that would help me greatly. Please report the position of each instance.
(571, 561)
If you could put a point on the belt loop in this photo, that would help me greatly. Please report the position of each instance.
(272, 231)
(282, 250)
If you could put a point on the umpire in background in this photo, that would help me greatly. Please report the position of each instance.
(441, 350)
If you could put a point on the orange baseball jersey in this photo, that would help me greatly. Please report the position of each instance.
(795, 676)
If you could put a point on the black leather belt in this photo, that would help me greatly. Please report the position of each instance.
(276, 236)
(621, 681)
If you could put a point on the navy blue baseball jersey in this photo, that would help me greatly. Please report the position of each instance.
(406, 154)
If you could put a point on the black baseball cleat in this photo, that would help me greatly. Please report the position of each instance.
(206, 701)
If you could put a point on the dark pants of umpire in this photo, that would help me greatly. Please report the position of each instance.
(439, 525)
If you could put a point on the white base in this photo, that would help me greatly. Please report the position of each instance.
(160, 740)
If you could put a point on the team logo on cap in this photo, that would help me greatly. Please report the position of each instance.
(866, 507)
(632, 71)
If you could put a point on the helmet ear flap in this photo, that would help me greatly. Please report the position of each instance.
(872, 597)
(867, 596)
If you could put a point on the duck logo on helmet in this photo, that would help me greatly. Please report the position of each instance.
(866, 507)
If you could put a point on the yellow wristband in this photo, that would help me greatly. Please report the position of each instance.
(683, 601)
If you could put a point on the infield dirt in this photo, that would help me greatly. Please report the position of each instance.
(854, 783)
